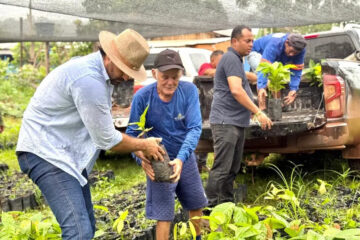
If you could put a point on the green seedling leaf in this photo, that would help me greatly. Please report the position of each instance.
(277, 74)
(252, 213)
(322, 188)
(216, 236)
(192, 230)
(99, 233)
(124, 214)
(246, 232)
(102, 208)
(241, 218)
(275, 223)
(120, 227)
(142, 122)
(348, 234)
(175, 231)
(183, 229)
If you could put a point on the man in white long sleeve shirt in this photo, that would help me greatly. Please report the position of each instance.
(68, 121)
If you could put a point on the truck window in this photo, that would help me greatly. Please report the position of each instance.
(338, 46)
(149, 61)
(198, 59)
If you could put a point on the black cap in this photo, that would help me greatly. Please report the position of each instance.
(168, 59)
(297, 41)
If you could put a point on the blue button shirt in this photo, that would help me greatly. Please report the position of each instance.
(68, 120)
(272, 48)
(177, 122)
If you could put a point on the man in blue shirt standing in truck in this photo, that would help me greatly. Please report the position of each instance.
(284, 48)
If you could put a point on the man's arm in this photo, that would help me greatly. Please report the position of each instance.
(251, 77)
(193, 123)
(239, 93)
(295, 77)
(91, 99)
(150, 146)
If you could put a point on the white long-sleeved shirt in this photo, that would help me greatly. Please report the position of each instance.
(68, 120)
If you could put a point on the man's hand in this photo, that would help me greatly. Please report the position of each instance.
(153, 149)
(262, 98)
(146, 165)
(290, 97)
(264, 121)
(177, 165)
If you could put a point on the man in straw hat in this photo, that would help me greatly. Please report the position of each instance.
(174, 115)
(280, 47)
(68, 121)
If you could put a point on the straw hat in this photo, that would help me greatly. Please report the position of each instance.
(127, 51)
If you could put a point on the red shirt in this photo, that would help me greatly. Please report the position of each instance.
(204, 67)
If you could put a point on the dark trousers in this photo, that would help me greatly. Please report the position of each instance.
(228, 151)
(68, 200)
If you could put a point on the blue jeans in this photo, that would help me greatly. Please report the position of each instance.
(70, 203)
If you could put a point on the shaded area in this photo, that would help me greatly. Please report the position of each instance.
(65, 20)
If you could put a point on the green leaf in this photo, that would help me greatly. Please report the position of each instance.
(277, 74)
(241, 217)
(348, 233)
(246, 232)
(215, 236)
(175, 231)
(120, 227)
(103, 208)
(252, 213)
(99, 233)
(222, 214)
(322, 188)
(183, 229)
(143, 118)
(124, 214)
(192, 230)
(312, 235)
(275, 223)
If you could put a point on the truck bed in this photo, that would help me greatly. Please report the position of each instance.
(305, 113)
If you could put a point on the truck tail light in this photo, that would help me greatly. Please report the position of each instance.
(334, 95)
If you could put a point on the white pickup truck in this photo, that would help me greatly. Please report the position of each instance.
(192, 59)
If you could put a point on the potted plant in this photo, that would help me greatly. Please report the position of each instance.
(162, 169)
(278, 75)
(313, 73)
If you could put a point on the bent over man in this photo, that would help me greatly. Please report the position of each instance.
(68, 122)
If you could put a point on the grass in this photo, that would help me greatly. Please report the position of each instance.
(9, 137)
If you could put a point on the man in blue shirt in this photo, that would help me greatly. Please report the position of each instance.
(284, 48)
(174, 115)
(230, 113)
(68, 121)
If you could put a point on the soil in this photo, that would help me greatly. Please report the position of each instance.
(137, 227)
(95, 176)
(162, 170)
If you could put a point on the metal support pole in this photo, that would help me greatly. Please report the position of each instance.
(21, 41)
(47, 57)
